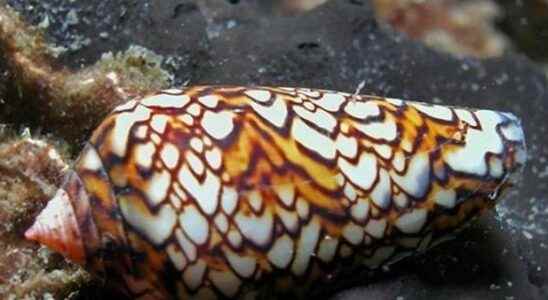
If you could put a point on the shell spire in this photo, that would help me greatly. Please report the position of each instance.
(56, 227)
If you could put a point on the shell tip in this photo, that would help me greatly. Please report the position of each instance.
(56, 228)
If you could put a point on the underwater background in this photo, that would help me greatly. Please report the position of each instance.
(486, 54)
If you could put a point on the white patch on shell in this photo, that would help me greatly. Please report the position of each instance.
(320, 118)
(205, 193)
(327, 249)
(90, 159)
(141, 132)
(255, 200)
(303, 208)
(234, 238)
(394, 101)
(350, 192)
(207, 141)
(276, 113)
(331, 101)
(520, 156)
(309, 92)
(175, 201)
(218, 124)
(446, 198)
(289, 90)
(172, 91)
(413, 221)
(309, 105)
(257, 229)
(286, 193)
(158, 186)
(166, 101)
(398, 161)
(401, 200)
(225, 281)
(187, 119)
(188, 247)
(347, 146)
(159, 123)
(381, 194)
(289, 219)
(194, 274)
(376, 228)
(126, 106)
(259, 95)
(194, 109)
(281, 253)
(210, 101)
(156, 139)
(364, 173)
(156, 227)
(229, 200)
(386, 130)
(513, 131)
(470, 158)
(353, 233)
(123, 124)
(383, 150)
(213, 158)
(196, 144)
(195, 163)
(340, 179)
(243, 265)
(406, 145)
(221, 222)
(312, 139)
(417, 178)
(360, 210)
(194, 224)
(466, 116)
(305, 246)
(176, 256)
(179, 191)
(434, 111)
(170, 155)
(362, 110)
(496, 168)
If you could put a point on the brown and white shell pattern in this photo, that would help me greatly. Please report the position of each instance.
(210, 188)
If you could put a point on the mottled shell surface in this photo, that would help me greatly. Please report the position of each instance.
(208, 189)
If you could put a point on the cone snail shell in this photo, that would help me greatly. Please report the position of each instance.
(203, 191)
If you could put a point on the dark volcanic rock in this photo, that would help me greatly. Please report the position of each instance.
(337, 46)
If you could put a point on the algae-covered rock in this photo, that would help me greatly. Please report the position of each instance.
(30, 170)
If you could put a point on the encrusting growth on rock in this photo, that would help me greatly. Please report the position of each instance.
(56, 95)
(31, 169)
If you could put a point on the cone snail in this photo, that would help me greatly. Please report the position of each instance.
(204, 191)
